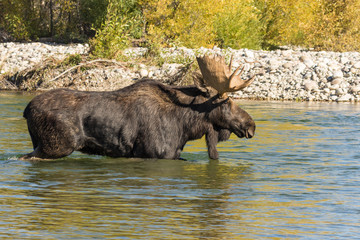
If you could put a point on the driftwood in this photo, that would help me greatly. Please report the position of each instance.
(5, 84)
(87, 64)
(53, 73)
(35, 77)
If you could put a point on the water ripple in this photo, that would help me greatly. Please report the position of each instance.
(298, 178)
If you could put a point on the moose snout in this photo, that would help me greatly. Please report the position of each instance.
(250, 132)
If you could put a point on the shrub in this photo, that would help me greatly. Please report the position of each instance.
(320, 24)
(323, 24)
(181, 23)
(121, 23)
(337, 26)
(15, 25)
(238, 25)
(286, 21)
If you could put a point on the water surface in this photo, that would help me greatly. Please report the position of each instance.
(298, 178)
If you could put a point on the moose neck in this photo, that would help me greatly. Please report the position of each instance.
(203, 112)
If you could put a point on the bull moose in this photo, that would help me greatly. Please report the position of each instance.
(145, 120)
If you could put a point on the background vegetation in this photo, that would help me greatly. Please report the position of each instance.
(112, 25)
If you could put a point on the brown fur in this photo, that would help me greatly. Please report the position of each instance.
(147, 119)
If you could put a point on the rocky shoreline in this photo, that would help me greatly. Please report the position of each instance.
(288, 74)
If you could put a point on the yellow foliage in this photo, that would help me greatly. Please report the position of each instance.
(336, 26)
(196, 23)
(286, 21)
(238, 25)
(187, 23)
(321, 24)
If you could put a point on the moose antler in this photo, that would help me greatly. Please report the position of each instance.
(218, 75)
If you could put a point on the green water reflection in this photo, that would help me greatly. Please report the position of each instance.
(298, 179)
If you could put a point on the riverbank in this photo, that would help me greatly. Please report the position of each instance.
(289, 74)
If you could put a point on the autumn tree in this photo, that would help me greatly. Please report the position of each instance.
(181, 22)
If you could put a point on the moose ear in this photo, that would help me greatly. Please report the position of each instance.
(199, 82)
(177, 95)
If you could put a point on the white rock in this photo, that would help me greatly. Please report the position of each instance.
(307, 60)
(310, 86)
(323, 97)
(339, 91)
(288, 65)
(304, 58)
(322, 65)
(274, 64)
(143, 73)
(300, 68)
(250, 54)
(338, 74)
(344, 60)
(336, 81)
(345, 98)
(334, 66)
(172, 68)
(308, 75)
(334, 87)
(355, 89)
(287, 53)
(357, 65)
(247, 67)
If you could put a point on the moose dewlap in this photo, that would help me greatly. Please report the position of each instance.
(147, 119)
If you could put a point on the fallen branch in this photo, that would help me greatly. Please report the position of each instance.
(85, 64)
(9, 85)
(182, 75)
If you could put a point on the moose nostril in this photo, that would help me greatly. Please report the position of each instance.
(250, 133)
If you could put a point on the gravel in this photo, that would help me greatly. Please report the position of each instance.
(19, 56)
(288, 74)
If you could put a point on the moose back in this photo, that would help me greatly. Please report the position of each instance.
(147, 120)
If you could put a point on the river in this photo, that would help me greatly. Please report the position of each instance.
(298, 178)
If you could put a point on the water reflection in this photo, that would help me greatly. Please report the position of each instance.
(298, 178)
(181, 198)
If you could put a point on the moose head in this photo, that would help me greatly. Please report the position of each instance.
(217, 79)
